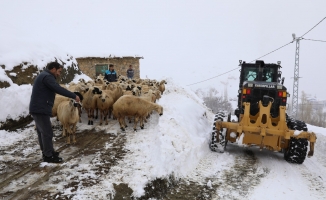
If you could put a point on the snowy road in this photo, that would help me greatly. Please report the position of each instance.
(239, 173)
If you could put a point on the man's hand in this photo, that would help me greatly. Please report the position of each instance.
(77, 98)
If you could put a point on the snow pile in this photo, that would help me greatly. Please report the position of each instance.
(14, 101)
(173, 143)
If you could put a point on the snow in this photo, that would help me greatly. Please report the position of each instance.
(14, 101)
(175, 143)
(297, 132)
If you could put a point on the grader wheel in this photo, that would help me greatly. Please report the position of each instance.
(297, 151)
(218, 142)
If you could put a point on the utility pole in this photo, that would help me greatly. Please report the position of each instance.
(295, 78)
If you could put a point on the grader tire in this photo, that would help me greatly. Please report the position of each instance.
(214, 145)
(297, 151)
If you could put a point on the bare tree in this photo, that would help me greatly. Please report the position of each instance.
(311, 112)
(214, 102)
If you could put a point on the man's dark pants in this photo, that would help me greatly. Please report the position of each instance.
(44, 133)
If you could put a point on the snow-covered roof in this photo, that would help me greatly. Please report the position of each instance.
(110, 56)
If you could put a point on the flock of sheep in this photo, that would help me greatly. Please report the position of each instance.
(132, 99)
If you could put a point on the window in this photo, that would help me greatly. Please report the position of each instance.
(250, 73)
(268, 74)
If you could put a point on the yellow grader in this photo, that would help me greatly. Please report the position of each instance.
(262, 118)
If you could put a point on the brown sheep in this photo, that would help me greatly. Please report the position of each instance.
(88, 103)
(69, 117)
(133, 106)
(115, 93)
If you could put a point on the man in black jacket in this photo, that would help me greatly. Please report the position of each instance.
(40, 107)
(110, 74)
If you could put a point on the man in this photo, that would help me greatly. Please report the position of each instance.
(40, 107)
(130, 72)
(110, 74)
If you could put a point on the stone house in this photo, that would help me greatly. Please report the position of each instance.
(93, 66)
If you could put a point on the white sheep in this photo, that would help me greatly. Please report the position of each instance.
(105, 85)
(132, 106)
(136, 91)
(79, 87)
(99, 81)
(59, 98)
(161, 86)
(69, 117)
(90, 83)
(104, 104)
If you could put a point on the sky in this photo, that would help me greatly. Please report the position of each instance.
(174, 143)
(188, 41)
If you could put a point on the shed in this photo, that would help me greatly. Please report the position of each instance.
(93, 66)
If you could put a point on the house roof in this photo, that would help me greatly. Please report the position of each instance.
(111, 56)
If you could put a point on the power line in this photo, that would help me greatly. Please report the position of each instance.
(266, 54)
(272, 51)
(314, 27)
(314, 40)
(214, 76)
(239, 67)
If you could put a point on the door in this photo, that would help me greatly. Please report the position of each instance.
(100, 69)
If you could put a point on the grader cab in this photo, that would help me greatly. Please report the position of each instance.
(262, 119)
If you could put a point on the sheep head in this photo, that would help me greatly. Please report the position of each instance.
(96, 90)
(103, 96)
(159, 109)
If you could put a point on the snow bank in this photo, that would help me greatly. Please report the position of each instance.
(14, 101)
(173, 143)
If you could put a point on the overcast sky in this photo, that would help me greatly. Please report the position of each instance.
(189, 41)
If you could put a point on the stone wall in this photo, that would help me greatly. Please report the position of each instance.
(121, 64)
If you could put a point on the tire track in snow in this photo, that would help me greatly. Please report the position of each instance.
(313, 170)
(213, 179)
(25, 175)
(241, 178)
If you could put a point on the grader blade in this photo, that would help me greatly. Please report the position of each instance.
(265, 131)
(262, 119)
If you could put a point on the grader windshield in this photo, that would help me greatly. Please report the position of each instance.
(257, 73)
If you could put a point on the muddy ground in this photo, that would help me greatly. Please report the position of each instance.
(25, 176)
